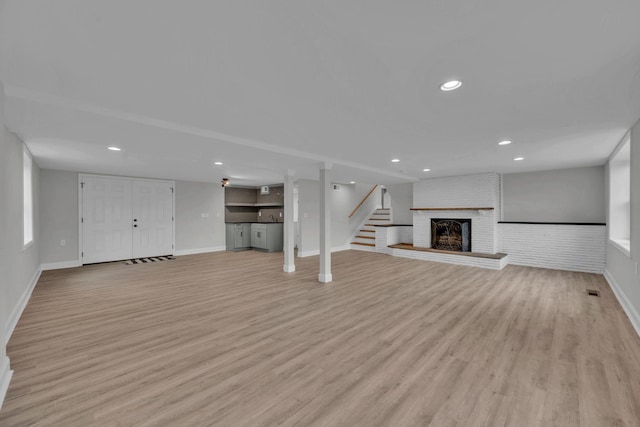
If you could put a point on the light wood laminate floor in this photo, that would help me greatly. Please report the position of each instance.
(228, 339)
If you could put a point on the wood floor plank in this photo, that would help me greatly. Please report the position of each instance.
(228, 339)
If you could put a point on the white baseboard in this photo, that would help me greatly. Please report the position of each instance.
(302, 254)
(199, 250)
(325, 278)
(20, 306)
(5, 378)
(59, 265)
(632, 314)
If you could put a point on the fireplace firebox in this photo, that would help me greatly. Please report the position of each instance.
(451, 234)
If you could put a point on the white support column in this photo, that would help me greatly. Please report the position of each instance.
(325, 223)
(289, 230)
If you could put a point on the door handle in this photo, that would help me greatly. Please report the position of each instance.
(135, 225)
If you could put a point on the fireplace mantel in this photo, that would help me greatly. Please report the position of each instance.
(452, 209)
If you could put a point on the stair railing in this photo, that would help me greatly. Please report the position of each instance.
(363, 200)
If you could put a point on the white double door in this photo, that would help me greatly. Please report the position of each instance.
(124, 218)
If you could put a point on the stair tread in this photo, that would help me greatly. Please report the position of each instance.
(379, 219)
(367, 231)
(363, 244)
(365, 237)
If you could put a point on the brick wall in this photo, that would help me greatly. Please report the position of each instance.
(480, 190)
(560, 247)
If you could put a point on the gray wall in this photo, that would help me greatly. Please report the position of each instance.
(343, 201)
(308, 216)
(18, 266)
(565, 195)
(621, 268)
(401, 201)
(59, 216)
(199, 216)
(59, 212)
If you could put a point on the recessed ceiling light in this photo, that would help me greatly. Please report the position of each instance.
(114, 148)
(505, 142)
(352, 182)
(426, 170)
(395, 160)
(217, 163)
(517, 159)
(450, 85)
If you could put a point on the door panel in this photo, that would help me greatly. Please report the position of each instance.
(106, 219)
(152, 218)
(125, 218)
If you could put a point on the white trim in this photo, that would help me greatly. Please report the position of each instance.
(325, 278)
(182, 252)
(12, 321)
(302, 254)
(5, 378)
(289, 268)
(621, 247)
(632, 314)
(621, 143)
(59, 265)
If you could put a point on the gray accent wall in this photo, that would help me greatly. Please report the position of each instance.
(401, 201)
(199, 216)
(59, 216)
(565, 195)
(343, 200)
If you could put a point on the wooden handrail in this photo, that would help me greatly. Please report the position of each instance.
(363, 200)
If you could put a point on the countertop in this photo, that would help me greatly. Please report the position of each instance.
(253, 222)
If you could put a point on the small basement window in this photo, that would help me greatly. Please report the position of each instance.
(620, 196)
(27, 199)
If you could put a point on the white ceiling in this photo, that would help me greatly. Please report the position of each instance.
(271, 86)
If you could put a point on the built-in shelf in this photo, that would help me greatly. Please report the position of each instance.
(255, 205)
(251, 205)
(452, 209)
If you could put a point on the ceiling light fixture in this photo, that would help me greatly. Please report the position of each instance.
(113, 148)
(218, 163)
(517, 159)
(450, 85)
(352, 182)
(225, 182)
(395, 160)
(426, 170)
(505, 142)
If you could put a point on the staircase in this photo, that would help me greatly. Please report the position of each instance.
(365, 238)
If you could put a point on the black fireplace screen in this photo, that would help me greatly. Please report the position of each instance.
(451, 234)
